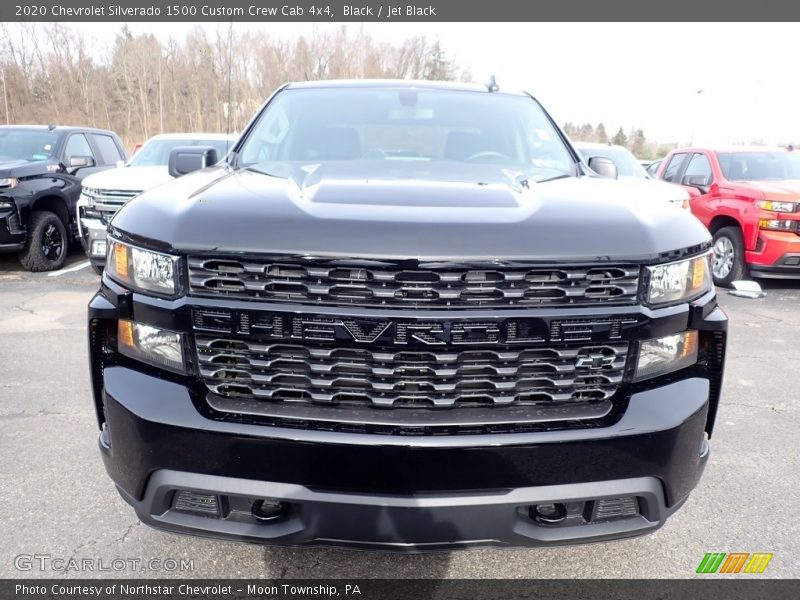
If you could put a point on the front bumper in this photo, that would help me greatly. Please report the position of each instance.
(786, 267)
(403, 492)
(410, 494)
(93, 234)
(12, 235)
(778, 255)
(432, 522)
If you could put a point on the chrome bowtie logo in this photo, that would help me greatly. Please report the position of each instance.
(594, 361)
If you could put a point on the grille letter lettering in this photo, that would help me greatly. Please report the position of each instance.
(432, 334)
(360, 332)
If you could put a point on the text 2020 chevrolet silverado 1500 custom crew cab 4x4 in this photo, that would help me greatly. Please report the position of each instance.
(404, 315)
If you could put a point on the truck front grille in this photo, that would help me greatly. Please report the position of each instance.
(108, 202)
(411, 284)
(416, 387)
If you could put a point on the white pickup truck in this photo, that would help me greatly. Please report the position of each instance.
(104, 193)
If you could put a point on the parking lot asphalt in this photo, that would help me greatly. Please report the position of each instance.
(56, 500)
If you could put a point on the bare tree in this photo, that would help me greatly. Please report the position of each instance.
(207, 81)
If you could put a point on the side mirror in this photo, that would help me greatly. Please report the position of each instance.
(696, 181)
(80, 162)
(604, 167)
(186, 159)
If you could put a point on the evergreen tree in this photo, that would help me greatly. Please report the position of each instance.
(620, 139)
(600, 133)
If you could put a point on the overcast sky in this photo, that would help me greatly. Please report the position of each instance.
(644, 75)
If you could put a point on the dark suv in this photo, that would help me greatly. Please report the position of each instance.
(404, 316)
(41, 168)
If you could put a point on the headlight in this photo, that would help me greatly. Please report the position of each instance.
(666, 354)
(777, 206)
(8, 182)
(679, 281)
(86, 199)
(680, 202)
(777, 224)
(143, 270)
(159, 347)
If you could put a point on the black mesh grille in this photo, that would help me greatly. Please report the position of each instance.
(410, 283)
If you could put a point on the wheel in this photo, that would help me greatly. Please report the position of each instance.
(97, 269)
(46, 247)
(729, 265)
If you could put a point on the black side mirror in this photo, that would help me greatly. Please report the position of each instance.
(697, 181)
(604, 167)
(81, 162)
(186, 159)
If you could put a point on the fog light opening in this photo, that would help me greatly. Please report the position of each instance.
(548, 513)
(608, 509)
(269, 509)
(199, 503)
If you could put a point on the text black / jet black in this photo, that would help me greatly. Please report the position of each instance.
(405, 315)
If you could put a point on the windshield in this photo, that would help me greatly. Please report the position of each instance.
(627, 165)
(758, 166)
(27, 144)
(407, 132)
(156, 152)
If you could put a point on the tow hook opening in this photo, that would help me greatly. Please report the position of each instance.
(548, 513)
(268, 510)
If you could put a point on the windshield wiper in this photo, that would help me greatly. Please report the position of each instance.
(562, 176)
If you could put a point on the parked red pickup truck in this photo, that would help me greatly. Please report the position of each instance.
(749, 198)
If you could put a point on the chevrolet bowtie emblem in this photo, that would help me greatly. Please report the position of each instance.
(595, 360)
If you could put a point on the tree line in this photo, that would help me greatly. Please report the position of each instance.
(210, 81)
(634, 140)
(207, 81)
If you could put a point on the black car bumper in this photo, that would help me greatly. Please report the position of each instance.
(12, 236)
(402, 492)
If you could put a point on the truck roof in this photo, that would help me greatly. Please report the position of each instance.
(402, 83)
(59, 128)
(731, 149)
(193, 136)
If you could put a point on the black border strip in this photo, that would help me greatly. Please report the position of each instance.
(337, 11)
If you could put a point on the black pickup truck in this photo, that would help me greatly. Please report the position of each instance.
(405, 315)
(41, 169)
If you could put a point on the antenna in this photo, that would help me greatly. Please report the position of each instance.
(230, 68)
(51, 126)
(492, 85)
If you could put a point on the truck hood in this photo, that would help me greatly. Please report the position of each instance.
(335, 214)
(654, 189)
(788, 189)
(27, 168)
(128, 178)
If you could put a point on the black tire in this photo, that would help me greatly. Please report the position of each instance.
(46, 247)
(729, 265)
(97, 269)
